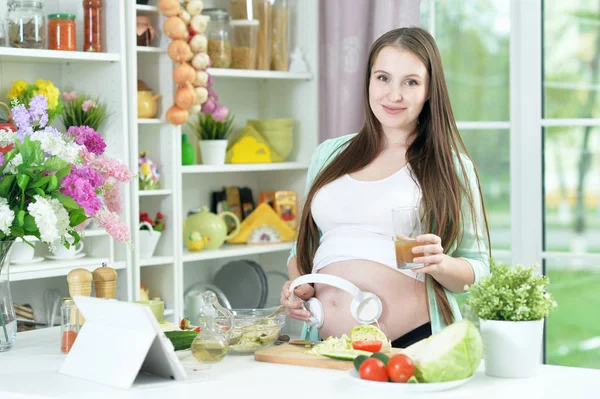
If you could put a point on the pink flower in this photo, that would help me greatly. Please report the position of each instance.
(112, 198)
(68, 96)
(90, 175)
(109, 167)
(88, 104)
(82, 192)
(86, 136)
(113, 225)
(220, 113)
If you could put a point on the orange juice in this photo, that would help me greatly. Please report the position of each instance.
(404, 252)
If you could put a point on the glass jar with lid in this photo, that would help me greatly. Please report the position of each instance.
(218, 33)
(61, 32)
(93, 16)
(26, 24)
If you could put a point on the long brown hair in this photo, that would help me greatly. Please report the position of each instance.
(431, 155)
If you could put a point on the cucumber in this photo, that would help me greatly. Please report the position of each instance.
(358, 360)
(181, 340)
(381, 356)
(350, 354)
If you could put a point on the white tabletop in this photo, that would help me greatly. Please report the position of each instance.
(30, 370)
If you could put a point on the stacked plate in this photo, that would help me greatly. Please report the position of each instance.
(244, 283)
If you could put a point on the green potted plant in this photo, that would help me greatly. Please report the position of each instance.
(81, 110)
(213, 137)
(511, 304)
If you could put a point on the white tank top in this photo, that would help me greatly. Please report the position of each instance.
(355, 218)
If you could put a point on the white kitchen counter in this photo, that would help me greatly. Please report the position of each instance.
(31, 370)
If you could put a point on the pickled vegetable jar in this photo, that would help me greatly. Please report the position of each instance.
(61, 32)
(92, 25)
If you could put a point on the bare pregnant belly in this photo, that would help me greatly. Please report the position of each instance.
(404, 298)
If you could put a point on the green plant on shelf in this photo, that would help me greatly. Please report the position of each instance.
(206, 128)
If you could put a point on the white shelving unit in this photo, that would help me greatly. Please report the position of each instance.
(251, 94)
(95, 74)
(160, 140)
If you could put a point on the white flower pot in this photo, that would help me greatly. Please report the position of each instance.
(512, 349)
(148, 241)
(213, 151)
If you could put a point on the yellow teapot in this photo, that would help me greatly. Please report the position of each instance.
(147, 103)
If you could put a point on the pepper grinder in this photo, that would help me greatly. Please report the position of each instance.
(80, 283)
(105, 282)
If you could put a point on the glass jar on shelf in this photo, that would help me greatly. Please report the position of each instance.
(243, 52)
(218, 33)
(93, 15)
(62, 32)
(69, 325)
(260, 10)
(281, 34)
(26, 24)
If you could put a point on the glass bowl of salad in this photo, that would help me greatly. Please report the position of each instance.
(252, 331)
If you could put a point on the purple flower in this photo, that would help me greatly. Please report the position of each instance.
(220, 113)
(21, 133)
(82, 192)
(51, 130)
(21, 117)
(38, 107)
(86, 136)
(90, 175)
(1, 159)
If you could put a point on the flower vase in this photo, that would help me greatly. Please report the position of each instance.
(213, 152)
(8, 320)
(512, 349)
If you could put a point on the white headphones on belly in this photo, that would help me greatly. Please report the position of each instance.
(366, 307)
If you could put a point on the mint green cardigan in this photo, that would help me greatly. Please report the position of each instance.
(472, 247)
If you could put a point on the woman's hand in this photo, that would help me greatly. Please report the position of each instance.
(430, 253)
(294, 308)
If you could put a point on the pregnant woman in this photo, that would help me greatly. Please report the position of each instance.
(408, 153)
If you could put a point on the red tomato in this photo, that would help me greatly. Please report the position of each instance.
(369, 346)
(373, 369)
(400, 368)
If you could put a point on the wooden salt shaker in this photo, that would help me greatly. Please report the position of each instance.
(80, 283)
(105, 282)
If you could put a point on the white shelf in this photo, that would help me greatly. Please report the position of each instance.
(53, 268)
(154, 193)
(156, 260)
(142, 7)
(150, 121)
(94, 233)
(230, 251)
(150, 49)
(256, 74)
(53, 56)
(248, 167)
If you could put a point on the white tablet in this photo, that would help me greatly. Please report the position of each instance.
(117, 341)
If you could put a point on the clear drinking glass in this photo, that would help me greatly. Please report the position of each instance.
(407, 226)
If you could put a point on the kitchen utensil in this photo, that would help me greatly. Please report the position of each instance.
(266, 319)
(250, 333)
(212, 344)
(242, 283)
(193, 299)
(396, 389)
(105, 282)
(211, 225)
(296, 355)
(275, 281)
(80, 283)
(302, 342)
(365, 307)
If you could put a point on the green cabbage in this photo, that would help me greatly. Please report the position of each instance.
(452, 354)
(368, 333)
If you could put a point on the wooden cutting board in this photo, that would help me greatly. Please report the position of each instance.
(294, 354)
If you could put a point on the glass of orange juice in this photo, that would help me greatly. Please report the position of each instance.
(407, 226)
